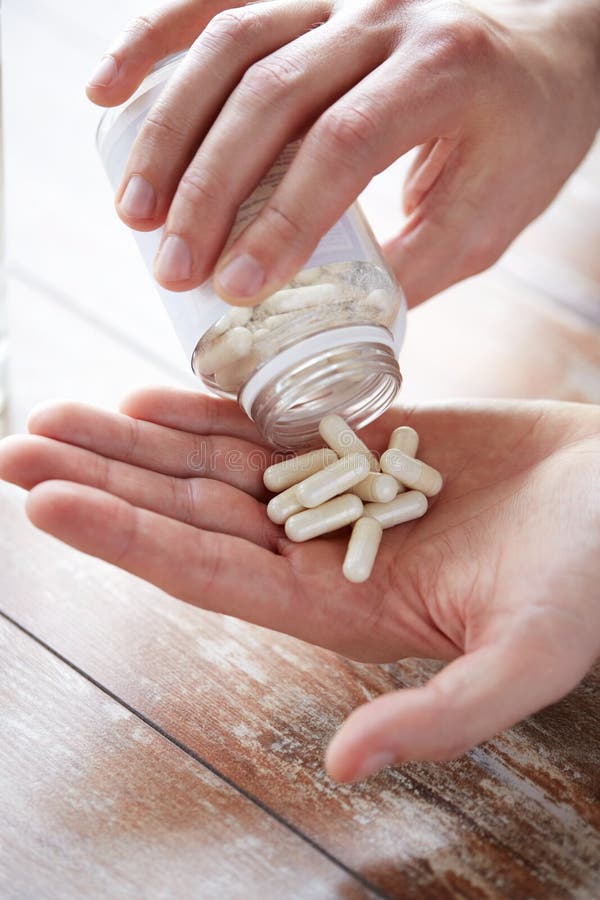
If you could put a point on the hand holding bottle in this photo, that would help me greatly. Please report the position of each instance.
(502, 99)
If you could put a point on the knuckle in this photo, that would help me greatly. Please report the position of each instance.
(194, 495)
(131, 439)
(229, 28)
(215, 564)
(159, 125)
(183, 499)
(270, 78)
(284, 226)
(124, 521)
(464, 38)
(145, 28)
(199, 187)
(348, 132)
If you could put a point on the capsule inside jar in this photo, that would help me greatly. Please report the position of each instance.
(328, 296)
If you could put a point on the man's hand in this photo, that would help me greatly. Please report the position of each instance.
(500, 578)
(501, 97)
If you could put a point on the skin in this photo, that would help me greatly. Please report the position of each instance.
(483, 88)
(500, 578)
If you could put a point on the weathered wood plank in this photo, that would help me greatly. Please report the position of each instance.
(95, 803)
(518, 817)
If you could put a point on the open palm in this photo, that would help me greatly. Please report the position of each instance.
(501, 577)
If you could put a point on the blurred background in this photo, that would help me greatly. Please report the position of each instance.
(83, 319)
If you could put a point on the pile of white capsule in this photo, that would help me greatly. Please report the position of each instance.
(344, 483)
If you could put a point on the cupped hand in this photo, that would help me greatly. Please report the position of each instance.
(500, 578)
(501, 97)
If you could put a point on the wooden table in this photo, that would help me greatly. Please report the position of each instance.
(153, 750)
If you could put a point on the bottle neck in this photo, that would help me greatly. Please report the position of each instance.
(356, 380)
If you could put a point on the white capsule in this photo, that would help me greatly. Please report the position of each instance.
(281, 320)
(231, 346)
(335, 479)
(377, 487)
(405, 439)
(293, 299)
(312, 523)
(263, 343)
(284, 505)
(231, 378)
(341, 438)
(381, 304)
(239, 315)
(282, 475)
(404, 508)
(315, 275)
(412, 473)
(362, 549)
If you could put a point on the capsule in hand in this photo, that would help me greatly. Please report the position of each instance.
(335, 479)
(341, 438)
(362, 550)
(404, 508)
(312, 523)
(283, 475)
(405, 439)
(284, 505)
(411, 472)
(377, 488)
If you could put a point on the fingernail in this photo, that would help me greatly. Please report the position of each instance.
(139, 199)
(242, 277)
(373, 764)
(174, 261)
(106, 72)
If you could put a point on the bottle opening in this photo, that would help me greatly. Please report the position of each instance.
(357, 380)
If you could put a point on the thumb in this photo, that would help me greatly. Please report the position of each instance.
(454, 229)
(469, 701)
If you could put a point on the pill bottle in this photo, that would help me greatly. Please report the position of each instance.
(328, 342)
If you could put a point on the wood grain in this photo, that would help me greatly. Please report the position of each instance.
(518, 817)
(95, 803)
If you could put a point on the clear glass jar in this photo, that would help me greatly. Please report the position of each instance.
(328, 342)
